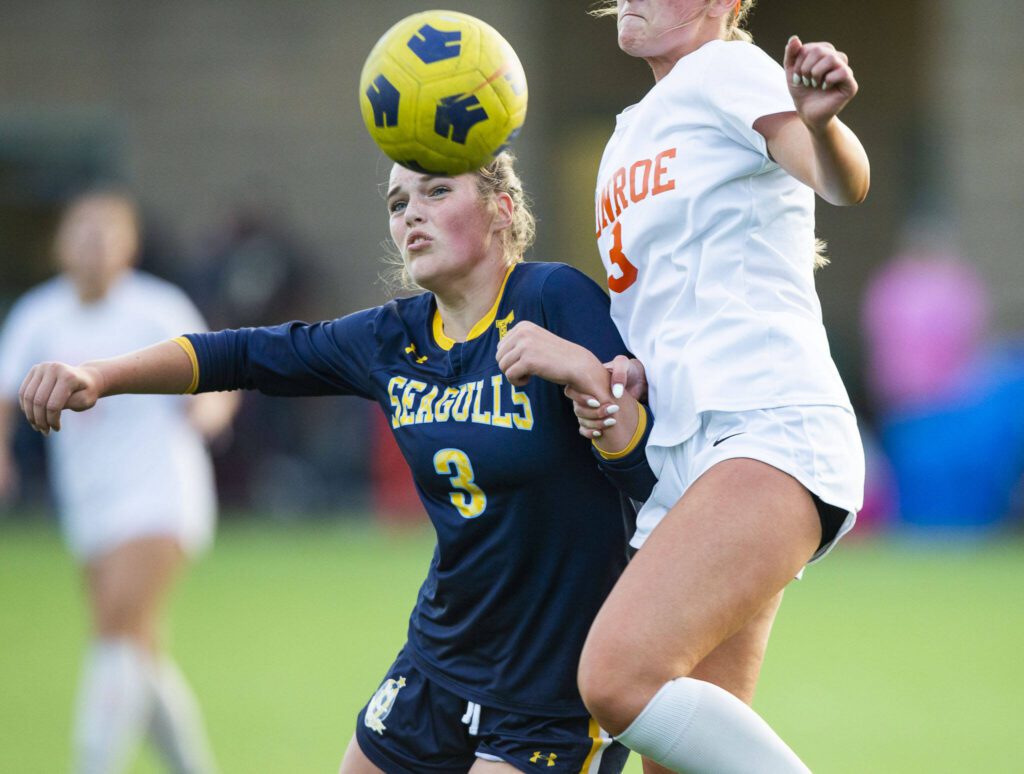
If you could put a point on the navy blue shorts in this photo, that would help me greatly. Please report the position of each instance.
(414, 726)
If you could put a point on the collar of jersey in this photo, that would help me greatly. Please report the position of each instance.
(446, 343)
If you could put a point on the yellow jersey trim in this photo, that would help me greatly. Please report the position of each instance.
(186, 345)
(641, 427)
(446, 342)
(596, 744)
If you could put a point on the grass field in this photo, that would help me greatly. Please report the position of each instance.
(886, 658)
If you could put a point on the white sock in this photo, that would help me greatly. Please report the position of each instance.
(114, 700)
(176, 727)
(695, 727)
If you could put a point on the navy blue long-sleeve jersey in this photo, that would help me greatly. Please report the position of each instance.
(531, 533)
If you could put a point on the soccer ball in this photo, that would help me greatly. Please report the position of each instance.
(442, 92)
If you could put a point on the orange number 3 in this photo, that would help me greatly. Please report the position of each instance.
(616, 256)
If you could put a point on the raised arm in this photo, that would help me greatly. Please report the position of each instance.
(812, 144)
(49, 388)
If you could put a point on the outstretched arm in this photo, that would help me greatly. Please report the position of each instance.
(812, 144)
(49, 388)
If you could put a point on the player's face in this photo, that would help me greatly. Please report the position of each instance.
(443, 227)
(652, 29)
(97, 241)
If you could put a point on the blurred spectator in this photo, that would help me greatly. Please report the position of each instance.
(948, 398)
(289, 458)
(251, 270)
(926, 321)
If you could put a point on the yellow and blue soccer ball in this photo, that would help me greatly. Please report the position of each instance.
(442, 92)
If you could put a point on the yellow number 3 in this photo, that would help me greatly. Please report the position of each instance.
(470, 500)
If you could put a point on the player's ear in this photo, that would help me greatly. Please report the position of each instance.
(504, 210)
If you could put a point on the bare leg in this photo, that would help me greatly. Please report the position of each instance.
(128, 587)
(735, 665)
(713, 567)
(129, 682)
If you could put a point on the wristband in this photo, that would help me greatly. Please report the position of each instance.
(641, 427)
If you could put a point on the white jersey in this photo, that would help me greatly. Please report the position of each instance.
(133, 464)
(709, 246)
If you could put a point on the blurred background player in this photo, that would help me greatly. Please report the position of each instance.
(705, 209)
(531, 533)
(132, 480)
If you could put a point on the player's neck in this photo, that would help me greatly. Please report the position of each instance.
(93, 288)
(463, 304)
(662, 65)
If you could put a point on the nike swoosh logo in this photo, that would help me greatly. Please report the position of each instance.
(727, 437)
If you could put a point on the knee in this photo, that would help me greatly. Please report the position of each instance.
(612, 708)
(614, 690)
(115, 627)
(120, 616)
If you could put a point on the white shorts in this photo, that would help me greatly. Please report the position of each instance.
(181, 504)
(819, 446)
(91, 533)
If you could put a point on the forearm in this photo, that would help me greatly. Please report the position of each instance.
(829, 159)
(618, 434)
(163, 368)
(842, 171)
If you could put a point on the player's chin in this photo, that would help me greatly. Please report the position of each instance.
(635, 37)
(421, 266)
(631, 44)
(410, 256)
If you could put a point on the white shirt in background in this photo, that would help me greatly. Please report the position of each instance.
(133, 465)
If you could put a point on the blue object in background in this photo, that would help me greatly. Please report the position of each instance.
(958, 459)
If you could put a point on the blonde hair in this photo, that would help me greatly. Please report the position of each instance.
(733, 31)
(499, 176)
(821, 259)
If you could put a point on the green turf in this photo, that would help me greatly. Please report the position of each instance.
(886, 658)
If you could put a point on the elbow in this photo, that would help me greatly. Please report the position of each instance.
(850, 195)
(848, 184)
(855, 198)
(861, 192)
